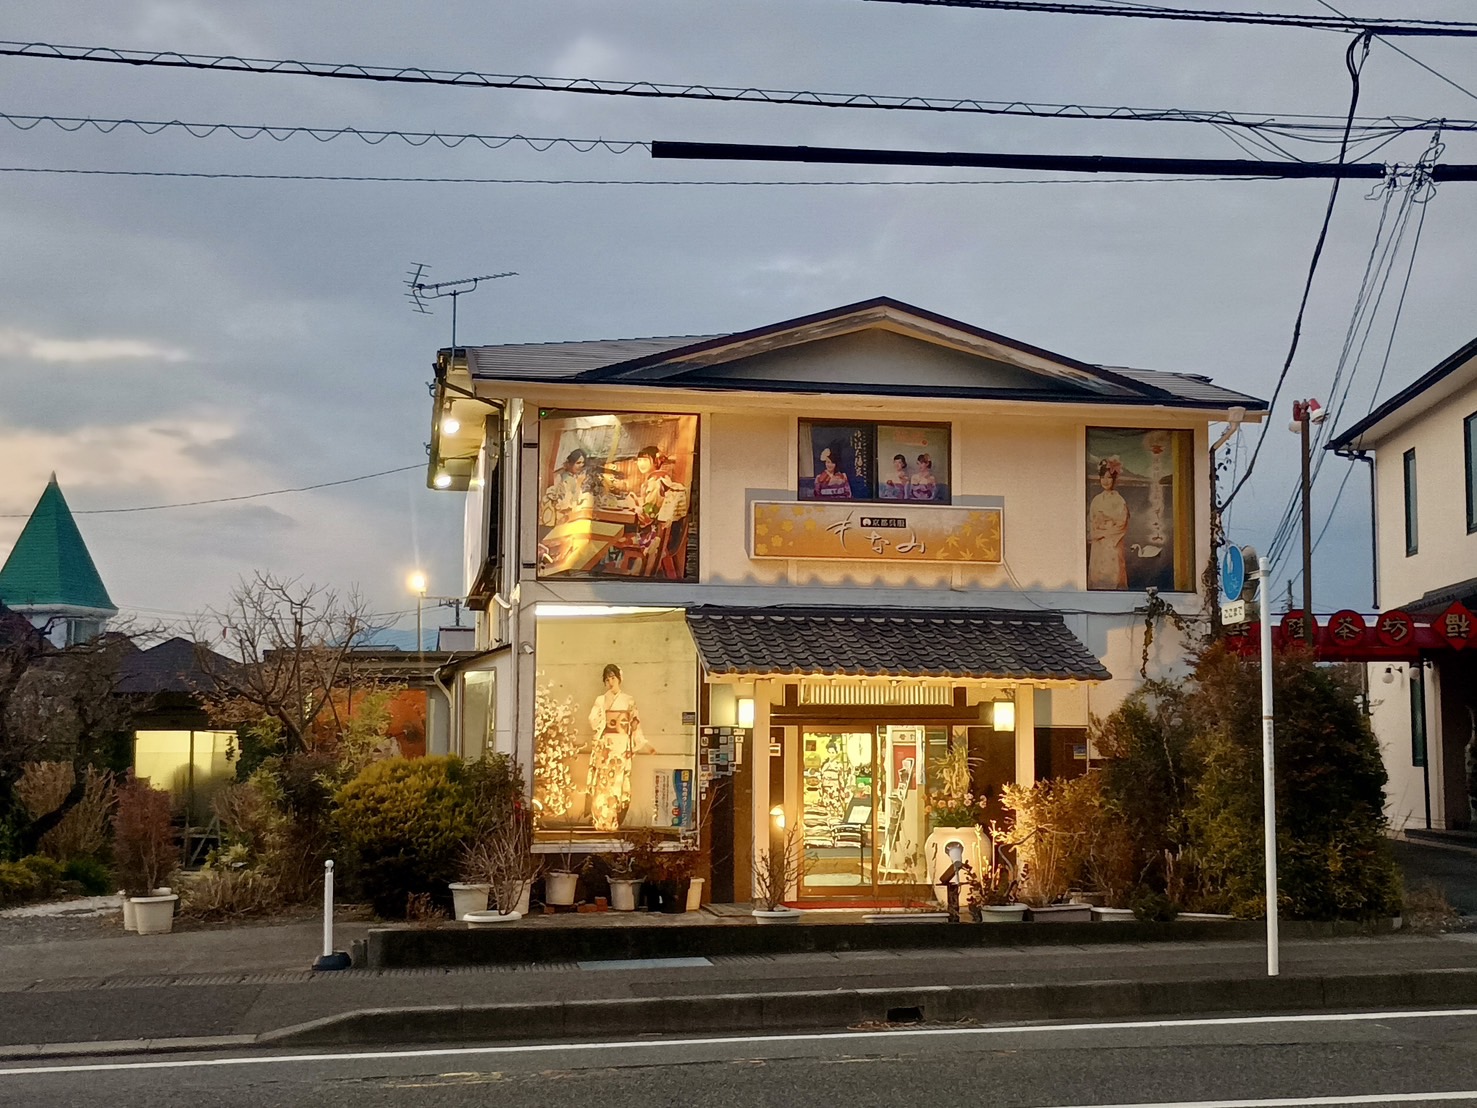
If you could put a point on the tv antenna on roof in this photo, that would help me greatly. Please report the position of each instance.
(422, 292)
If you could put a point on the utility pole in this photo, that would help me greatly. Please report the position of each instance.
(1304, 414)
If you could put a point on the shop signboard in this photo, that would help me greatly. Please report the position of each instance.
(894, 533)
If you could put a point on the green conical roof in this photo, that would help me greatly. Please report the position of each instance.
(49, 566)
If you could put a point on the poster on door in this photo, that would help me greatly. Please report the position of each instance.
(673, 789)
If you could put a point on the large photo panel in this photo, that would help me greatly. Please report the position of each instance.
(1140, 509)
(615, 731)
(618, 496)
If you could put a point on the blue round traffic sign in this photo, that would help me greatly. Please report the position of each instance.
(1233, 573)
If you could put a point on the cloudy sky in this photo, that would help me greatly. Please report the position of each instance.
(169, 338)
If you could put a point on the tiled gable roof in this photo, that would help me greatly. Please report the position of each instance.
(875, 642)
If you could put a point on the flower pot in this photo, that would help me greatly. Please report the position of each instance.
(1063, 913)
(1203, 917)
(468, 898)
(769, 916)
(475, 920)
(695, 895)
(906, 917)
(623, 893)
(673, 896)
(523, 895)
(559, 887)
(936, 854)
(1003, 913)
(129, 921)
(154, 914)
(1112, 915)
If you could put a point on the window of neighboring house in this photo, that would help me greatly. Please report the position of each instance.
(1410, 506)
(862, 460)
(1417, 716)
(1469, 440)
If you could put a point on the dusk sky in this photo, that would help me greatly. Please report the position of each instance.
(166, 339)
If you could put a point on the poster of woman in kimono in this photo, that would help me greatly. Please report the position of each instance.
(1140, 509)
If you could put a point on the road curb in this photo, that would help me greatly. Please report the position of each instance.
(41, 1052)
(840, 1008)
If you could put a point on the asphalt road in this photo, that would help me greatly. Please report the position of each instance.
(1381, 1058)
(1454, 872)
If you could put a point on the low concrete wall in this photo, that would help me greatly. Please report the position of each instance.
(547, 941)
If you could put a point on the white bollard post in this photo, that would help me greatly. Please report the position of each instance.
(331, 959)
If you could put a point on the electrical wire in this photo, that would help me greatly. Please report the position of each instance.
(1297, 328)
(1405, 54)
(1431, 27)
(227, 499)
(1311, 123)
(606, 181)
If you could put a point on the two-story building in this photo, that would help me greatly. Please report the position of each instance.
(772, 576)
(1422, 445)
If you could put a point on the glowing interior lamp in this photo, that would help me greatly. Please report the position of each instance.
(442, 480)
(777, 814)
(417, 582)
(1002, 715)
(450, 425)
(746, 711)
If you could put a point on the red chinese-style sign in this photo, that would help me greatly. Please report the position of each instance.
(1293, 627)
(1395, 628)
(1346, 627)
(1456, 625)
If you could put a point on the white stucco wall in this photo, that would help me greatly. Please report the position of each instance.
(1447, 553)
(1405, 803)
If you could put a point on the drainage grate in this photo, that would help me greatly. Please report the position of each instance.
(912, 1014)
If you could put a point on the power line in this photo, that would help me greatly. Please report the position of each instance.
(1408, 56)
(227, 499)
(1297, 327)
(1428, 27)
(249, 131)
(1063, 163)
(693, 91)
(1157, 179)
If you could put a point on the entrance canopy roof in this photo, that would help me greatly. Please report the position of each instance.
(977, 644)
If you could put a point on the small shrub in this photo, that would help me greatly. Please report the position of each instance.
(144, 849)
(1153, 907)
(222, 894)
(32, 878)
(403, 823)
(92, 875)
(84, 830)
(1426, 910)
(1051, 835)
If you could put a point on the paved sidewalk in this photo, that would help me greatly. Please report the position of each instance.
(92, 983)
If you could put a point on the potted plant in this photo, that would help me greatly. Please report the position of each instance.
(905, 888)
(469, 896)
(953, 810)
(562, 881)
(145, 854)
(630, 868)
(500, 862)
(1049, 837)
(775, 869)
(992, 890)
(673, 878)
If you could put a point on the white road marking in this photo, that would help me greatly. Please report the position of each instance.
(740, 1040)
(1289, 1102)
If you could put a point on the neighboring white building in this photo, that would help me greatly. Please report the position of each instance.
(1423, 443)
(794, 566)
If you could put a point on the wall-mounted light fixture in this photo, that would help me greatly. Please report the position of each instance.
(1002, 715)
(1388, 677)
(777, 816)
(746, 711)
(450, 425)
(442, 480)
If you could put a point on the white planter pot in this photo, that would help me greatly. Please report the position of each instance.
(559, 887)
(129, 921)
(490, 919)
(1218, 917)
(1063, 913)
(154, 914)
(1003, 913)
(769, 916)
(527, 891)
(1112, 915)
(695, 895)
(906, 917)
(936, 856)
(467, 897)
(623, 893)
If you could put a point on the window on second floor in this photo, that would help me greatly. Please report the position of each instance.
(1469, 446)
(861, 460)
(1411, 526)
